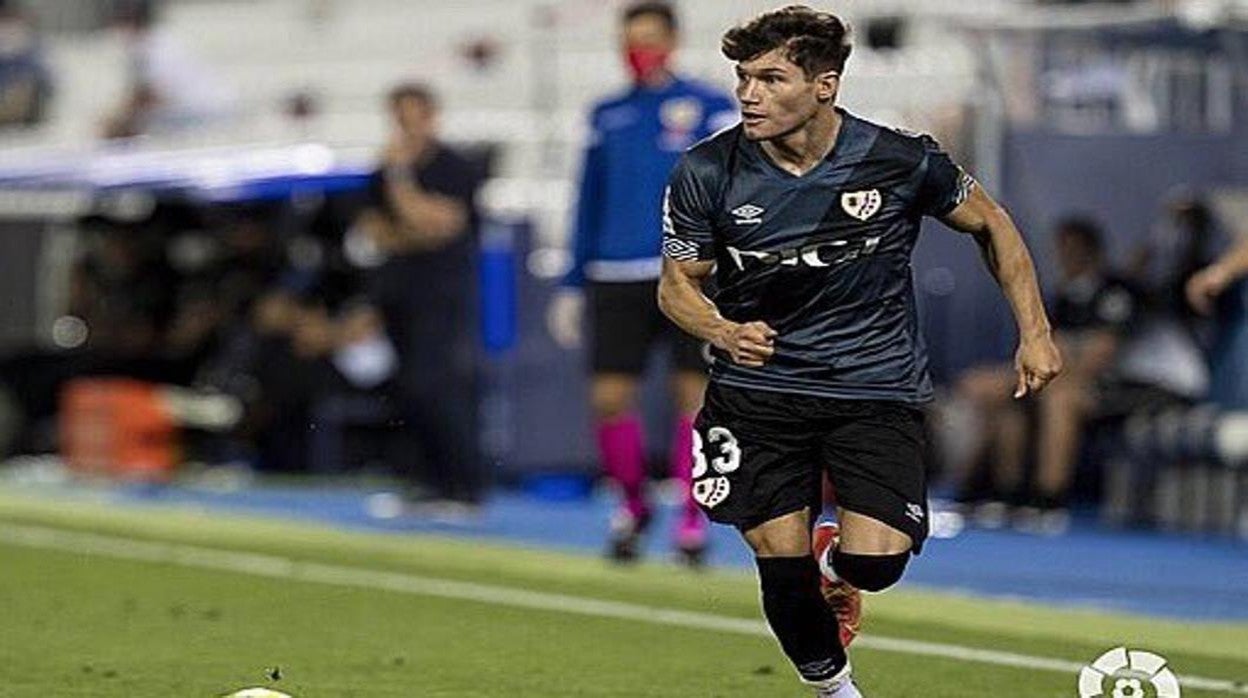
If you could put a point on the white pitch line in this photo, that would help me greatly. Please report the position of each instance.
(273, 566)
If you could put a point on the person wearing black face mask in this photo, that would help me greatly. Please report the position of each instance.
(635, 139)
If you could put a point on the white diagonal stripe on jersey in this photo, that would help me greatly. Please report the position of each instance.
(668, 228)
(277, 567)
(680, 250)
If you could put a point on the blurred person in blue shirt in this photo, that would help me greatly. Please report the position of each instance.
(25, 83)
(635, 139)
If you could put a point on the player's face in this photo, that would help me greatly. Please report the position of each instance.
(777, 97)
(1074, 256)
(415, 118)
(647, 43)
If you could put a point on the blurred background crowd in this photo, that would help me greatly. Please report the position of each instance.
(320, 238)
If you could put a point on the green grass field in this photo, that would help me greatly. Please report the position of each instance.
(99, 601)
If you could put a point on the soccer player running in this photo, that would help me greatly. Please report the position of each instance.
(807, 215)
(636, 137)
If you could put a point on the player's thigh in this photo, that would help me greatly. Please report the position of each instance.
(690, 361)
(865, 535)
(875, 455)
(689, 354)
(783, 536)
(622, 328)
(688, 391)
(753, 458)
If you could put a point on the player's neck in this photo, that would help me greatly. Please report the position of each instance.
(423, 148)
(659, 80)
(800, 150)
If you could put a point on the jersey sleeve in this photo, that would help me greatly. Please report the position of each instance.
(687, 216)
(945, 185)
(586, 225)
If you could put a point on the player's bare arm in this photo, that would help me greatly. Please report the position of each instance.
(1209, 283)
(1037, 360)
(682, 300)
(423, 216)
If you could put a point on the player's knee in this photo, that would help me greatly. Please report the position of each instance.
(785, 536)
(610, 400)
(780, 547)
(870, 572)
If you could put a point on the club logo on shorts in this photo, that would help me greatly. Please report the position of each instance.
(915, 512)
(1124, 673)
(711, 491)
(862, 204)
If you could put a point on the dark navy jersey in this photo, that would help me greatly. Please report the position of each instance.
(823, 258)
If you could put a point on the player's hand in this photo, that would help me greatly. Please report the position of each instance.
(749, 344)
(565, 317)
(398, 152)
(1037, 362)
(1205, 286)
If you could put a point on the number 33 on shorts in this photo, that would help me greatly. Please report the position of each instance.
(719, 452)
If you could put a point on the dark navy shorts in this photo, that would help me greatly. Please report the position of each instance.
(625, 326)
(759, 455)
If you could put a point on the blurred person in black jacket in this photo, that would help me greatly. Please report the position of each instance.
(422, 219)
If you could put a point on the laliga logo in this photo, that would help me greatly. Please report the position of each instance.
(1123, 673)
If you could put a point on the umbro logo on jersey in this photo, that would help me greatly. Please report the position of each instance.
(748, 214)
(861, 204)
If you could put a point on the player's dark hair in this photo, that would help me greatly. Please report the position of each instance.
(662, 10)
(137, 13)
(413, 90)
(1085, 230)
(817, 42)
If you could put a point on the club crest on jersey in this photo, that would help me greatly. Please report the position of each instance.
(861, 204)
(681, 115)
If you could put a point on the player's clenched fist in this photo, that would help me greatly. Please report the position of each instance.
(748, 343)
(1038, 362)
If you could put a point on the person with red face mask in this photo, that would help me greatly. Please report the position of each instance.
(635, 139)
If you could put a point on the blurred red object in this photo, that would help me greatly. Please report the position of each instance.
(117, 428)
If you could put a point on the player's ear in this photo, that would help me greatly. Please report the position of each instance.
(826, 85)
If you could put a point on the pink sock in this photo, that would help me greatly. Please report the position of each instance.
(691, 525)
(620, 446)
